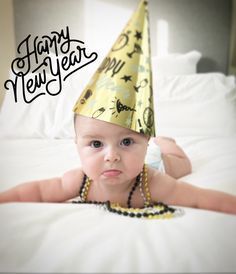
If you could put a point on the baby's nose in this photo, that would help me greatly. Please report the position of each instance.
(112, 155)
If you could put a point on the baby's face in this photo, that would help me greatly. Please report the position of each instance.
(109, 152)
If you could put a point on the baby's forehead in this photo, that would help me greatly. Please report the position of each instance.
(91, 126)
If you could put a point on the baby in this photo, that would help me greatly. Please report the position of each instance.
(112, 157)
(114, 122)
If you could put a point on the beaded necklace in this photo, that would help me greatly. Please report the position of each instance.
(151, 210)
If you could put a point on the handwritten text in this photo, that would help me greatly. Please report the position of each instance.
(44, 63)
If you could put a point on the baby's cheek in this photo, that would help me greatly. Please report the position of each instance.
(90, 166)
(134, 168)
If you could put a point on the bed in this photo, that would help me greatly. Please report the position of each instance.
(198, 110)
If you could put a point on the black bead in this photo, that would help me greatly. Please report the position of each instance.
(132, 191)
(82, 185)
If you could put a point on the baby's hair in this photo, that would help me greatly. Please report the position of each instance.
(75, 116)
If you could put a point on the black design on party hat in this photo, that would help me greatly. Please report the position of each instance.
(120, 91)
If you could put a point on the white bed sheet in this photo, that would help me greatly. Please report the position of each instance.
(83, 238)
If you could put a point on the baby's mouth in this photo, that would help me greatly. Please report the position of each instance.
(111, 173)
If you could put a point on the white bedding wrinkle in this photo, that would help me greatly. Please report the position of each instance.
(69, 238)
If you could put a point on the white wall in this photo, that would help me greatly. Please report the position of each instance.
(96, 22)
(104, 22)
(203, 25)
(7, 43)
(232, 61)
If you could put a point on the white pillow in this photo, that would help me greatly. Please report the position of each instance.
(199, 104)
(47, 116)
(176, 64)
(27, 120)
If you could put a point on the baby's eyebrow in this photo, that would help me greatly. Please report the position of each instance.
(88, 136)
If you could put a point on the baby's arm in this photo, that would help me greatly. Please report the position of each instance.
(48, 190)
(178, 193)
(216, 200)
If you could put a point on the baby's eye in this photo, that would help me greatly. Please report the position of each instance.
(127, 142)
(96, 144)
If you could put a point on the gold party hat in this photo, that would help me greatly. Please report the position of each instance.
(120, 91)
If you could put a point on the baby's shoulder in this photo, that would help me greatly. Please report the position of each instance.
(73, 175)
(71, 182)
